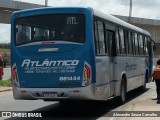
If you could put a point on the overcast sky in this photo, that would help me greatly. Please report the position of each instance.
(141, 8)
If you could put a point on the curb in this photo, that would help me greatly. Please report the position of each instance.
(5, 89)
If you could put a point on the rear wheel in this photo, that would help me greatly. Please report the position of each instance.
(122, 97)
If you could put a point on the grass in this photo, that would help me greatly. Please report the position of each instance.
(5, 83)
(5, 52)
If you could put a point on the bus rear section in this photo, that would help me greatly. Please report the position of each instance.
(52, 56)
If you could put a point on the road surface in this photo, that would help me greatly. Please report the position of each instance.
(84, 110)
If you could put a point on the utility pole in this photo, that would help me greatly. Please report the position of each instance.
(130, 11)
(125, 2)
(46, 3)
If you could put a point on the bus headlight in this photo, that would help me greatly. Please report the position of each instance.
(86, 74)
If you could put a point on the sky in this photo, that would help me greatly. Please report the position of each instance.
(141, 8)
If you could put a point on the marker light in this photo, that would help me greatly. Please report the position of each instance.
(48, 43)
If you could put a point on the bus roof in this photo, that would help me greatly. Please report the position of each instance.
(119, 22)
(96, 13)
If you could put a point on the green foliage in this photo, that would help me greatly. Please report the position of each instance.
(6, 83)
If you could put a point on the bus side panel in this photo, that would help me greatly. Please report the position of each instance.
(134, 68)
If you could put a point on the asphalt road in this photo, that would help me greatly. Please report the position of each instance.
(80, 110)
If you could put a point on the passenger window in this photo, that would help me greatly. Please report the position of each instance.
(111, 42)
(122, 46)
(100, 38)
(136, 44)
(118, 42)
(140, 45)
(96, 38)
(41, 34)
(23, 34)
(145, 46)
(133, 41)
(130, 43)
(126, 38)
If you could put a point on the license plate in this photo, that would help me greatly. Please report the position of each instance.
(49, 94)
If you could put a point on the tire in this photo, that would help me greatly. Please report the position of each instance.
(122, 97)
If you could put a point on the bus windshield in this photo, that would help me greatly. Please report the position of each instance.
(62, 27)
